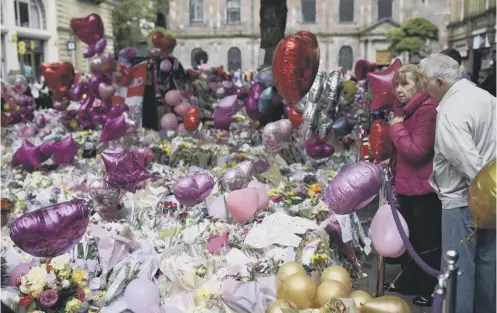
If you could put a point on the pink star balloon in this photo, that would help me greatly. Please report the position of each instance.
(64, 151)
(123, 170)
(382, 88)
(28, 156)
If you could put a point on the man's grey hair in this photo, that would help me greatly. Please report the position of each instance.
(441, 66)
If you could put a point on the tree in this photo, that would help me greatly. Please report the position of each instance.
(273, 24)
(130, 20)
(412, 36)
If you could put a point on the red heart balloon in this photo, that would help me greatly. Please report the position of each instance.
(167, 44)
(295, 65)
(361, 68)
(88, 29)
(379, 140)
(192, 119)
(295, 117)
(382, 88)
(59, 77)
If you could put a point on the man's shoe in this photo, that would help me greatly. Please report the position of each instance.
(422, 301)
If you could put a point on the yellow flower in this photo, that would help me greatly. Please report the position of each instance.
(311, 193)
(315, 188)
(36, 289)
(60, 262)
(78, 275)
(73, 305)
(63, 274)
(99, 295)
(87, 292)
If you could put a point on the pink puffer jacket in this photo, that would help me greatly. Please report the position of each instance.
(413, 142)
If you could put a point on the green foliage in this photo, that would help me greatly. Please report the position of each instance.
(130, 19)
(412, 35)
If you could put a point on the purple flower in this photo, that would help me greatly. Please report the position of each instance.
(49, 298)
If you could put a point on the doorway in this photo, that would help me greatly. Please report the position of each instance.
(31, 60)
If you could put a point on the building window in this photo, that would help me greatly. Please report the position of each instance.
(195, 60)
(346, 11)
(233, 9)
(345, 57)
(384, 9)
(196, 11)
(160, 21)
(234, 59)
(27, 14)
(308, 11)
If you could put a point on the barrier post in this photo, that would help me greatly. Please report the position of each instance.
(451, 281)
(380, 281)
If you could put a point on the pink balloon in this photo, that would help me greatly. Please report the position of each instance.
(242, 204)
(142, 296)
(181, 108)
(263, 198)
(217, 209)
(165, 65)
(173, 97)
(169, 121)
(385, 235)
(181, 129)
(17, 272)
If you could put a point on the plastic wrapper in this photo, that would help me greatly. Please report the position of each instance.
(379, 140)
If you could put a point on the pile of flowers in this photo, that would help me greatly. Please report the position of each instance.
(54, 287)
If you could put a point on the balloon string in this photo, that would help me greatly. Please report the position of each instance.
(437, 304)
(410, 249)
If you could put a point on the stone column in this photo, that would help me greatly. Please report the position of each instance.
(11, 59)
(51, 49)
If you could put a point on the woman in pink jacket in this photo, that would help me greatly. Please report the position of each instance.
(412, 131)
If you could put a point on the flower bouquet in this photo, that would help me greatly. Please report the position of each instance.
(54, 287)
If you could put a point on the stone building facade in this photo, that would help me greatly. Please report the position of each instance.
(472, 31)
(43, 26)
(228, 30)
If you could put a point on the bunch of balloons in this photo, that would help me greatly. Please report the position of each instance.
(264, 103)
(18, 107)
(95, 95)
(182, 116)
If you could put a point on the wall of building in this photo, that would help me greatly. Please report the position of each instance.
(53, 31)
(216, 36)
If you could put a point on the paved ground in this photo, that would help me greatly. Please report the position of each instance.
(391, 271)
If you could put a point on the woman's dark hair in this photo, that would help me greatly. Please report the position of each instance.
(452, 53)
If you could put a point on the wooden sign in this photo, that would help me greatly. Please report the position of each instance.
(383, 57)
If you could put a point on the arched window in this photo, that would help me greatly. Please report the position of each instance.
(233, 11)
(346, 11)
(160, 21)
(384, 9)
(196, 11)
(234, 59)
(345, 57)
(308, 11)
(195, 51)
(28, 14)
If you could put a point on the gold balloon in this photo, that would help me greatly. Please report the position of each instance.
(300, 289)
(386, 304)
(360, 297)
(285, 271)
(329, 289)
(482, 196)
(337, 273)
(279, 305)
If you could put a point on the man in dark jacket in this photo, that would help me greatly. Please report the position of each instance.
(456, 56)
(486, 80)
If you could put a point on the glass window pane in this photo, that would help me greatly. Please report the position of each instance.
(345, 57)
(35, 16)
(234, 59)
(308, 11)
(384, 9)
(23, 14)
(346, 10)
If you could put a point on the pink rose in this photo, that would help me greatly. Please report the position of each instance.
(49, 298)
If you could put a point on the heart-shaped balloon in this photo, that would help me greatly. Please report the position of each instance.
(61, 226)
(89, 29)
(192, 119)
(106, 91)
(104, 64)
(242, 204)
(295, 65)
(192, 190)
(237, 177)
(166, 44)
(59, 76)
(320, 150)
(114, 129)
(274, 134)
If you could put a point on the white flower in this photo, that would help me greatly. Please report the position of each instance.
(66, 283)
(35, 275)
(60, 261)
